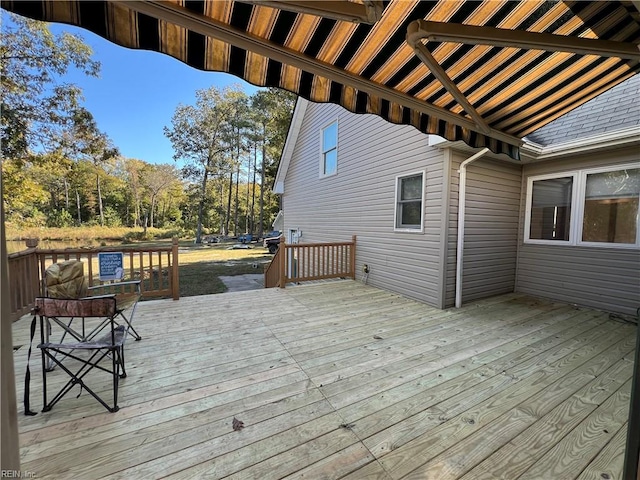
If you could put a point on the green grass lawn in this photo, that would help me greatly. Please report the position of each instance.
(202, 265)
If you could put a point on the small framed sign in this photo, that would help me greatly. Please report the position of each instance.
(111, 265)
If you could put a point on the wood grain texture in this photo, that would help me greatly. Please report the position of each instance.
(341, 380)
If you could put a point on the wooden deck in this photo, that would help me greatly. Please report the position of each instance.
(341, 380)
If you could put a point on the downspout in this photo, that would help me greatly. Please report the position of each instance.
(462, 194)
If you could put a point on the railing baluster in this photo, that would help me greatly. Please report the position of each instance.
(90, 268)
(131, 271)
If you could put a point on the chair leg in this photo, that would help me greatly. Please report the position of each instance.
(129, 326)
(121, 354)
(77, 377)
(45, 368)
(116, 378)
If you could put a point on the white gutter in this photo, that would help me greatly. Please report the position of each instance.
(462, 194)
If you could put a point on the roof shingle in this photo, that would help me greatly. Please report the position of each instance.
(613, 110)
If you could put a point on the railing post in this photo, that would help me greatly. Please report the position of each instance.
(353, 257)
(42, 287)
(282, 265)
(36, 283)
(175, 284)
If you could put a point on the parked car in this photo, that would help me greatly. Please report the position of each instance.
(272, 243)
(246, 238)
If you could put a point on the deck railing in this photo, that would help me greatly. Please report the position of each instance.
(157, 267)
(272, 271)
(24, 281)
(303, 262)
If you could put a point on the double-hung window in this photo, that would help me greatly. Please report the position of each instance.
(409, 214)
(594, 207)
(329, 150)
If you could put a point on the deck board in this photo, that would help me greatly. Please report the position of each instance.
(341, 380)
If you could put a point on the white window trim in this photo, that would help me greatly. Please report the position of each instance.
(321, 165)
(577, 208)
(422, 205)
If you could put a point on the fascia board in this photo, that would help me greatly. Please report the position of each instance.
(289, 144)
(587, 144)
(532, 151)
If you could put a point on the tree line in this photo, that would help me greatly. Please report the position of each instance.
(59, 169)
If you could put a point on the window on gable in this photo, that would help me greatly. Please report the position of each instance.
(410, 202)
(595, 207)
(329, 159)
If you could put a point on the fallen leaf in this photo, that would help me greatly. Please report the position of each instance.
(237, 424)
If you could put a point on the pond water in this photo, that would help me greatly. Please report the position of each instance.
(19, 245)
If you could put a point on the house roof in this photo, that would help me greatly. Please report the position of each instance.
(613, 110)
(484, 72)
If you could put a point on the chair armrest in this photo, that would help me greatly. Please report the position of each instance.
(112, 285)
(93, 297)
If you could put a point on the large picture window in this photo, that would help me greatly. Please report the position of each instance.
(329, 154)
(410, 202)
(611, 207)
(596, 207)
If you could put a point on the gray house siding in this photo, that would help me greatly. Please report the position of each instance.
(360, 198)
(491, 229)
(605, 278)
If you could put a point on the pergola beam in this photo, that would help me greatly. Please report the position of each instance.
(370, 11)
(500, 37)
(434, 67)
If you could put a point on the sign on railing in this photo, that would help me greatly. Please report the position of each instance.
(110, 266)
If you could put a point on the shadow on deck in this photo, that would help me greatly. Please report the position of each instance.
(342, 380)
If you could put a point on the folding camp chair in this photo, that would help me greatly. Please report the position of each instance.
(70, 325)
(82, 356)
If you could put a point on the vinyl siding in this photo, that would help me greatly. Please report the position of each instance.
(491, 229)
(599, 277)
(360, 199)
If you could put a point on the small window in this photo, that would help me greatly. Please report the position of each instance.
(329, 157)
(409, 202)
(611, 207)
(551, 209)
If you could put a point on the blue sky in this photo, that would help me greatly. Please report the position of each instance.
(137, 93)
